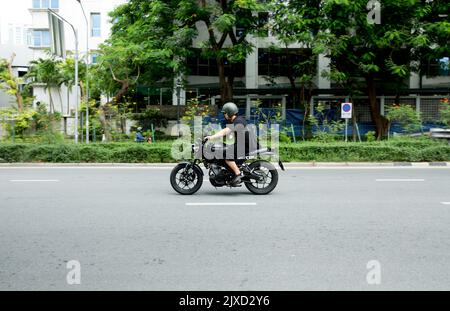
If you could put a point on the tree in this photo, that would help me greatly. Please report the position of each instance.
(164, 31)
(299, 22)
(371, 52)
(224, 43)
(138, 48)
(10, 83)
(48, 72)
(66, 69)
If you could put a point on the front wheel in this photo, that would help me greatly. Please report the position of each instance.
(186, 178)
(268, 178)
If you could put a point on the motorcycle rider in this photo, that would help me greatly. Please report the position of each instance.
(239, 129)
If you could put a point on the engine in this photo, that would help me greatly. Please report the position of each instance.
(217, 175)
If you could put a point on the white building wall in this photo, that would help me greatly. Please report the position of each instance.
(72, 12)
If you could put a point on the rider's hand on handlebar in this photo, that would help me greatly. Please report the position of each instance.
(206, 138)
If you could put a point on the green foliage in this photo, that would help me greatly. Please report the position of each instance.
(365, 152)
(34, 125)
(370, 136)
(195, 108)
(154, 37)
(269, 118)
(11, 85)
(444, 112)
(410, 32)
(148, 117)
(328, 130)
(422, 149)
(406, 116)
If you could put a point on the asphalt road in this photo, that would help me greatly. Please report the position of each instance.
(317, 231)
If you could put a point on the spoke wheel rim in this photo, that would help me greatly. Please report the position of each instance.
(186, 179)
(267, 178)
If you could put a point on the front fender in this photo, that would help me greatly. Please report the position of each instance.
(183, 164)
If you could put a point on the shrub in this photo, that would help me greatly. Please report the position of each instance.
(406, 116)
(420, 149)
(444, 111)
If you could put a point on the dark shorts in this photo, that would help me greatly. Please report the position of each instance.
(233, 153)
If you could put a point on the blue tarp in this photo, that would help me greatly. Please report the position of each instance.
(295, 118)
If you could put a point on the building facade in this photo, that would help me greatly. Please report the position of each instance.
(31, 40)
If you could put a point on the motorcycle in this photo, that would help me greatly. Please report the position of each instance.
(259, 176)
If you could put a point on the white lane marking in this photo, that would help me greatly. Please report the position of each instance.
(34, 180)
(89, 167)
(215, 203)
(445, 203)
(400, 179)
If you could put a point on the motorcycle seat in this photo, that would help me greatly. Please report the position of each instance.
(266, 151)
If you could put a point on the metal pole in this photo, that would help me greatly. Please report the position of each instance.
(346, 125)
(153, 133)
(178, 108)
(13, 131)
(87, 72)
(81, 126)
(76, 86)
(75, 32)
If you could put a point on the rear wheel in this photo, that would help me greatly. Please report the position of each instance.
(268, 178)
(186, 179)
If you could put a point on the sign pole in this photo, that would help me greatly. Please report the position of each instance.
(346, 129)
(346, 113)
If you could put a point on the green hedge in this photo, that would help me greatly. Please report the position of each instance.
(394, 150)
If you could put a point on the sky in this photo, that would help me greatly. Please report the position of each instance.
(13, 11)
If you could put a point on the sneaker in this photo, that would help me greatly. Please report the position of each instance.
(236, 180)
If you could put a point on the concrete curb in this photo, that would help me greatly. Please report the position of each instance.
(287, 164)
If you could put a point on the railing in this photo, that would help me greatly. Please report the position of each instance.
(440, 133)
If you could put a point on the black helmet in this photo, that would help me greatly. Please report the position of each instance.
(230, 109)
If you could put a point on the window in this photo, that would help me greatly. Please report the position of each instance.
(95, 25)
(41, 38)
(263, 23)
(45, 4)
(280, 63)
(201, 66)
(94, 58)
(444, 66)
(437, 67)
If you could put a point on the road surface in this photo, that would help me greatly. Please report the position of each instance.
(321, 229)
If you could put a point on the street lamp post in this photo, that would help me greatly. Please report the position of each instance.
(75, 32)
(178, 85)
(87, 71)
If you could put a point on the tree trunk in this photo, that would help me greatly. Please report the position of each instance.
(305, 101)
(103, 108)
(51, 107)
(81, 91)
(381, 123)
(68, 99)
(60, 100)
(354, 132)
(226, 86)
(19, 98)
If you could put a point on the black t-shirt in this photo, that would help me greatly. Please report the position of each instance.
(242, 133)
